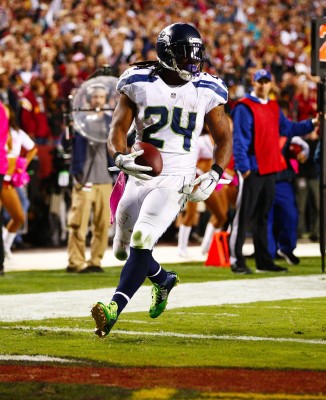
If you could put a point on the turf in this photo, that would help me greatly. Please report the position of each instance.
(275, 335)
(138, 341)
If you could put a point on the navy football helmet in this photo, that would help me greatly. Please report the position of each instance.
(180, 48)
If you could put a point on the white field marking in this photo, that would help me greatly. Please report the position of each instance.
(134, 321)
(203, 313)
(37, 358)
(78, 303)
(172, 334)
(280, 307)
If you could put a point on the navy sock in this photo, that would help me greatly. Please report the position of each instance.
(132, 276)
(121, 301)
(156, 273)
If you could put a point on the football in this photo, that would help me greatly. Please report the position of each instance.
(150, 158)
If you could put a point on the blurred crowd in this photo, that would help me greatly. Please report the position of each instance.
(48, 48)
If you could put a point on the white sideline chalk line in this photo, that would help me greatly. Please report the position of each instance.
(171, 334)
(38, 358)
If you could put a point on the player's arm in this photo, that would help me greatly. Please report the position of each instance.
(122, 119)
(123, 116)
(219, 127)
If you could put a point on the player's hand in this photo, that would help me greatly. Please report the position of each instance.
(126, 162)
(207, 184)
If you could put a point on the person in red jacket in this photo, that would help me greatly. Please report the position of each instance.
(258, 123)
(34, 120)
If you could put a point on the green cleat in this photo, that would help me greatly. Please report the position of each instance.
(105, 317)
(160, 294)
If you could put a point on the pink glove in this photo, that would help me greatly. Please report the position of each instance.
(116, 194)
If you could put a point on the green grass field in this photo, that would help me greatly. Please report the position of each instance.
(285, 334)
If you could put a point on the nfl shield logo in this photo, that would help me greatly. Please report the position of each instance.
(173, 95)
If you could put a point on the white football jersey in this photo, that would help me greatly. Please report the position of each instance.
(172, 117)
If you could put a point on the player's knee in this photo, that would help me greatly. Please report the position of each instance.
(141, 240)
(120, 250)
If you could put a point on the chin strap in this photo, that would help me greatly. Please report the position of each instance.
(183, 73)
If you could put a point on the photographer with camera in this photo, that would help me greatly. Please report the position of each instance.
(92, 185)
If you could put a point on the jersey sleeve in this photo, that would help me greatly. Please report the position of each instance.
(215, 90)
(132, 78)
(124, 82)
(220, 96)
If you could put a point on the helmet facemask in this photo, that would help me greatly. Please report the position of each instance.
(187, 59)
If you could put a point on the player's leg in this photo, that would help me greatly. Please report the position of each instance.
(263, 259)
(163, 282)
(126, 216)
(101, 223)
(12, 204)
(105, 316)
(209, 234)
(188, 220)
(288, 222)
(217, 204)
(245, 206)
(152, 222)
(78, 220)
(272, 228)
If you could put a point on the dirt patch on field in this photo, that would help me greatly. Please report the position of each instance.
(202, 379)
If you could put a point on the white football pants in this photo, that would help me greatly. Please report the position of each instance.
(146, 210)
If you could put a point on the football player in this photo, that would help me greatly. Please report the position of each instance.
(170, 100)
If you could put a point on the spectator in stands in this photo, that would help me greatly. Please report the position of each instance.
(258, 123)
(26, 73)
(70, 81)
(117, 59)
(54, 106)
(46, 73)
(8, 96)
(33, 113)
(87, 68)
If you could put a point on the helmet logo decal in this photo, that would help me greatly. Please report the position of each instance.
(164, 37)
(194, 40)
